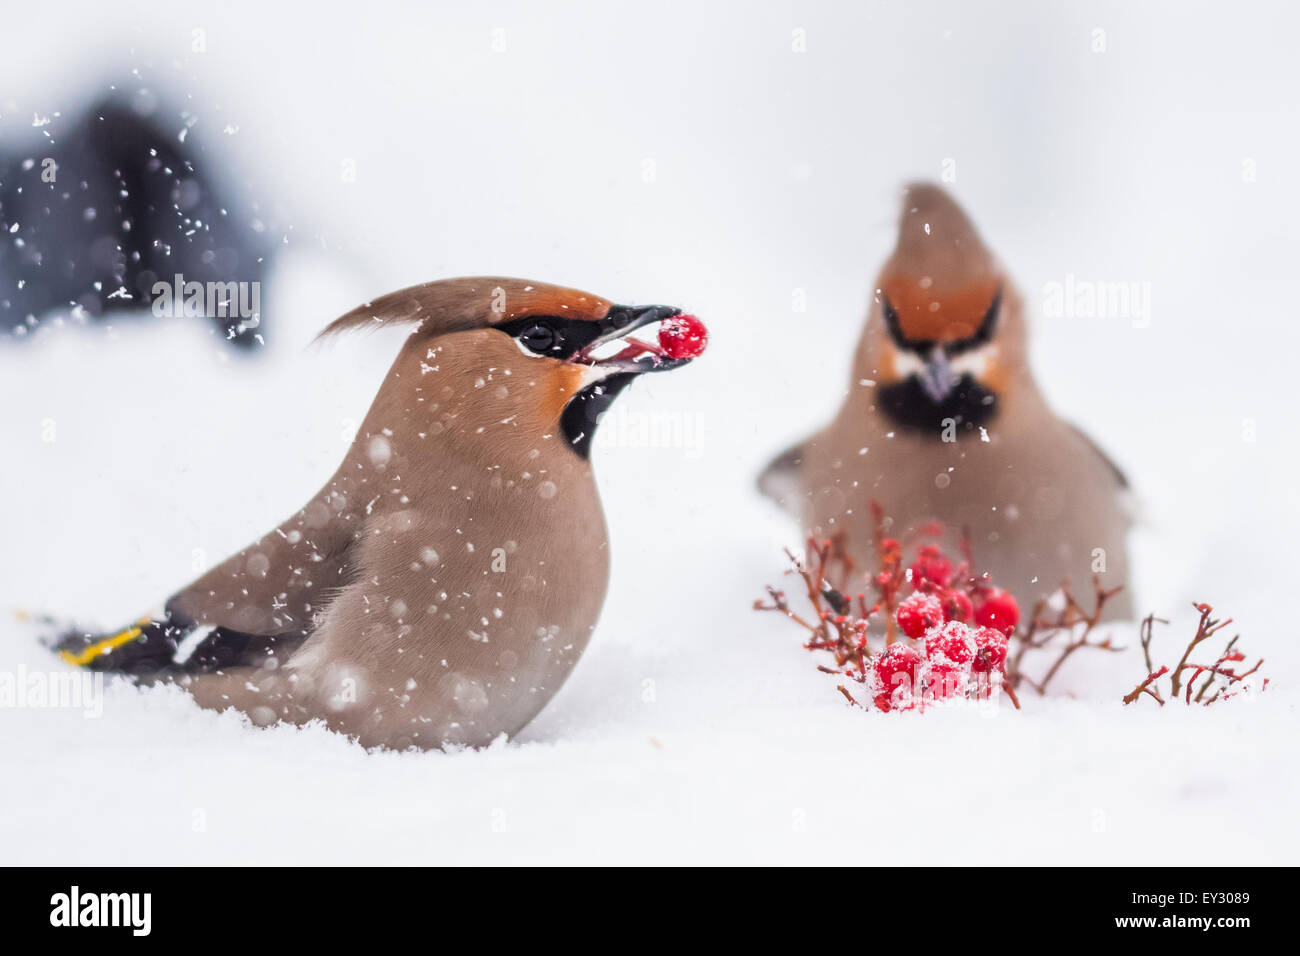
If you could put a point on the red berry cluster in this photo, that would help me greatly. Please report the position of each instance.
(931, 575)
(953, 660)
(945, 630)
(963, 626)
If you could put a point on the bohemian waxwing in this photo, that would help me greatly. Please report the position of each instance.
(943, 421)
(444, 582)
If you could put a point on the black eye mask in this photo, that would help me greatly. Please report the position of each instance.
(553, 335)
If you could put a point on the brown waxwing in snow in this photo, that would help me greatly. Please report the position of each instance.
(943, 421)
(442, 585)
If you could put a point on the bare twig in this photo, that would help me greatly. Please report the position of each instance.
(1145, 687)
(1221, 676)
(1073, 620)
(1204, 629)
(1006, 687)
(1145, 633)
(847, 696)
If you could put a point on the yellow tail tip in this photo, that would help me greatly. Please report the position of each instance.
(101, 647)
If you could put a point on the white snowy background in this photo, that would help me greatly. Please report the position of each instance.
(693, 729)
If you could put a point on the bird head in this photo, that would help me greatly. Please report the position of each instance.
(579, 348)
(945, 336)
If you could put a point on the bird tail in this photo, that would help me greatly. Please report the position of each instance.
(168, 645)
(143, 648)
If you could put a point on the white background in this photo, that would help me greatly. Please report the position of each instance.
(775, 171)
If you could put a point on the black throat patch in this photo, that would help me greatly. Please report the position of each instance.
(582, 414)
(969, 405)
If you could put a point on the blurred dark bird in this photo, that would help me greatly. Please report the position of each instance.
(943, 421)
(98, 208)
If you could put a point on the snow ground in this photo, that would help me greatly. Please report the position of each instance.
(693, 729)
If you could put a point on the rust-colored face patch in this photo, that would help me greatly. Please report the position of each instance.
(886, 362)
(562, 382)
(522, 299)
(926, 314)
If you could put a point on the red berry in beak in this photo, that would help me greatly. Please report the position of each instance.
(683, 336)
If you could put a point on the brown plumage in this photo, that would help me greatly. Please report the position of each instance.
(443, 583)
(943, 421)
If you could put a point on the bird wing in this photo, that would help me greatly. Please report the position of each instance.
(1120, 478)
(276, 584)
(257, 604)
(780, 479)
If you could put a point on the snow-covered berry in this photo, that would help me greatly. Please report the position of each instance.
(944, 679)
(954, 642)
(918, 612)
(990, 651)
(895, 669)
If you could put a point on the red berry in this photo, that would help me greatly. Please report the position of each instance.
(895, 669)
(944, 680)
(990, 651)
(956, 606)
(918, 613)
(931, 569)
(683, 336)
(954, 644)
(998, 609)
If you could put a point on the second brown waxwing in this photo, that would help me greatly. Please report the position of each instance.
(943, 421)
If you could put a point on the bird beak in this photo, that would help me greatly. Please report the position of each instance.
(624, 353)
(938, 377)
